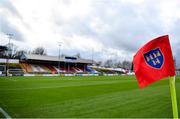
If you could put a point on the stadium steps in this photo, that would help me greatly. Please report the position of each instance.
(52, 69)
(26, 67)
(77, 70)
(38, 68)
(15, 69)
(46, 68)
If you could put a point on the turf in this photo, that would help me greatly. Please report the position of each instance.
(100, 97)
(1, 115)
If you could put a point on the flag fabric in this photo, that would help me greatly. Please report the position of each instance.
(154, 61)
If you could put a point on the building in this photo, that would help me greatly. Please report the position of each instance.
(41, 64)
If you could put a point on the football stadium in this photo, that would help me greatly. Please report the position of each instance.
(37, 86)
(89, 59)
(58, 79)
(39, 65)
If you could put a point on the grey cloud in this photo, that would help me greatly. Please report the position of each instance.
(177, 56)
(66, 2)
(5, 24)
(6, 4)
(126, 26)
(175, 40)
(7, 27)
(129, 25)
(78, 26)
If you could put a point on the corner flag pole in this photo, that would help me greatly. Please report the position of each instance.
(173, 96)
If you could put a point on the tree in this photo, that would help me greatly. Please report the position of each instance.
(9, 52)
(126, 64)
(3, 50)
(118, 64)
(78, 55)
(39, 51)
(175, 63)
(19, 53)
(99, 63)
(62, 55)
(108, 63)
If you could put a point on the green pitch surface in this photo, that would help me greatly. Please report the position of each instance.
(117, 96)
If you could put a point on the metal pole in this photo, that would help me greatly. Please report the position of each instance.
(92, 55)
(59, 57)
(59, 61)
(8, 57)
(173, 96)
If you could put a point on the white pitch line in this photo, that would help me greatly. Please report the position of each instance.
(5, 114)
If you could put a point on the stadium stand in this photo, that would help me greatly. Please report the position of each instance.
(91, 70)
(15, 69)
(27, 67)
(52, 69)
(54, 65)
(29, 64)
(77, 70)
(103, 70)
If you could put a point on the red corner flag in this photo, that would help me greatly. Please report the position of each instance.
(154, 61)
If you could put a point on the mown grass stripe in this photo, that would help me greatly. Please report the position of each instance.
(67, 85)
(101, 97)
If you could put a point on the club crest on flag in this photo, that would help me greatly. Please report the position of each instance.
(154, 58)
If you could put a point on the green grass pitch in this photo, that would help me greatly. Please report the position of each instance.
(117, 96)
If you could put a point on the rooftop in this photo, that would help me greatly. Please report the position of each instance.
(56, 58)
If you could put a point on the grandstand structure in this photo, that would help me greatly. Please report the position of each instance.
(54, 65)
(43, 65)
(30, 64)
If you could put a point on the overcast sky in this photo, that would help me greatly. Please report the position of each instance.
(108, 28)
